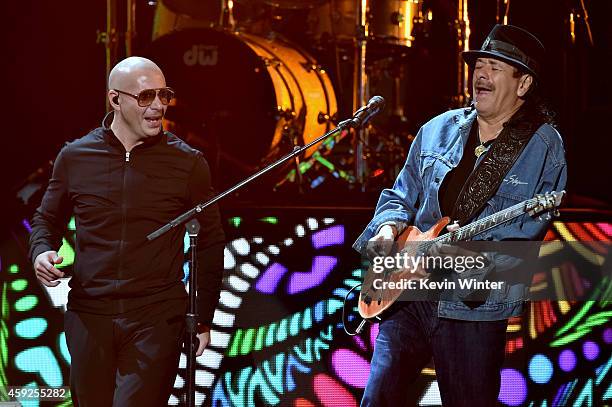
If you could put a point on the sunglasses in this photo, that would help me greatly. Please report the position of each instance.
(147, 96)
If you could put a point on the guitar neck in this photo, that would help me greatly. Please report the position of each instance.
(468, 231)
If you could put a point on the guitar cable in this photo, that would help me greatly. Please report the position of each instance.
(363, 320)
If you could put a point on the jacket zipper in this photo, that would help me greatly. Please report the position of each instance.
(126, 167)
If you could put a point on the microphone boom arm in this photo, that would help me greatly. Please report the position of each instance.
(361, 116)
(200, 207)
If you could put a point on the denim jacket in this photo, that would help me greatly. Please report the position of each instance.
(413, 200)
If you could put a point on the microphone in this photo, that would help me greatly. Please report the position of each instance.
(364, 114)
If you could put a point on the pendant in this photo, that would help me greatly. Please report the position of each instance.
(479, 150)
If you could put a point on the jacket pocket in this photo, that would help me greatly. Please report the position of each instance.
(433, 169)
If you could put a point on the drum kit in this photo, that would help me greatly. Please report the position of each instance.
(247, 92)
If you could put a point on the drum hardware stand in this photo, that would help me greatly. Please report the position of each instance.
(573, 16)
(498, 17)
(390, 67)
(110, 40)
(130, 32)
(291, 132)
(110, 37)
(360, 90)
(226, 19)
(398, 108)
(462, 26)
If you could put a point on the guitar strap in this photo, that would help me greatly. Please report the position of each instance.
(484, 181)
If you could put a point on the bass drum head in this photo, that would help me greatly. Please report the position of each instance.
(225, 100)
(242, 99)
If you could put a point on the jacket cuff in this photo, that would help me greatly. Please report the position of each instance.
(41, 248)
(398, 218)
(399, 225)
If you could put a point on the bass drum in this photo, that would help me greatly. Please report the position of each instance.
(241, 98)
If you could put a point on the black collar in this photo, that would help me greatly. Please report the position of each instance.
(110, 136)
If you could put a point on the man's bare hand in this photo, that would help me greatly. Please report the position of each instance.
(382, 243)
(44, 267)
(204, 339)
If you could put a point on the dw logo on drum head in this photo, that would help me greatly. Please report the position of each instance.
(204, 55)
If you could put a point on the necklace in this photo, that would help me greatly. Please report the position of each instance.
(484, 146)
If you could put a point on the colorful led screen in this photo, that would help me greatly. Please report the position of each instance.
(278, 339)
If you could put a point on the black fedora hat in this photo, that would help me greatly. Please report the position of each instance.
(513, 45)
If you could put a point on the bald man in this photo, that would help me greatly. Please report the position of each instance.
(126, 307)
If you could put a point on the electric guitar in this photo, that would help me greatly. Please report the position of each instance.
(373, 301)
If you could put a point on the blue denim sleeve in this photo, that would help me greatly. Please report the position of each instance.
(397, 204)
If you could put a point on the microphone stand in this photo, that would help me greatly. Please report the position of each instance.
(297, 150)
(191, 317)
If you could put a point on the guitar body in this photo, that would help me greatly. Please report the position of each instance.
(373, 301)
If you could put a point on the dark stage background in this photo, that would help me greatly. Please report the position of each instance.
(55, 81)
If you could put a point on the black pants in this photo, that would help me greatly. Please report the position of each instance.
(125, 360)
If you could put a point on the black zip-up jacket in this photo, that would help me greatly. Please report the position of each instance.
(118, 198)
